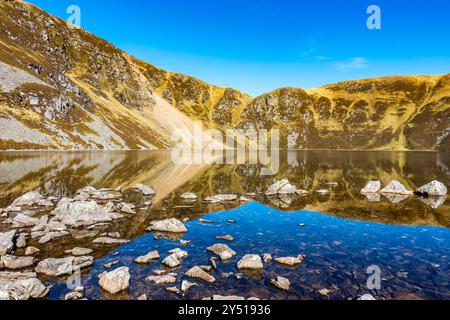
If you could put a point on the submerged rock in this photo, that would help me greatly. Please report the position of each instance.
(222, 250)
(371, 187)
(212, 262)
(226, 238)
(432, 189)
(281, 187)
(6, 242)
(281, 283)
(175, 258)
(63, 266)
(80, 213)
(115, 281)
(170, 278)
(198, 273)
(153, 255)
(395, 187)
(168, 225)
(250, 262)
(53, 235)
(142, 297)
(73, 296)
(173, 290)
(324, 292)
(267, 258)
(109, 241)
(77, 251)
(187, 285)
(290, 261)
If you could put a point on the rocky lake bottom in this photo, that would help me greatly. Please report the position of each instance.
(86, 217)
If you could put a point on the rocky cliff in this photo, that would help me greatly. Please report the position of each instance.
(64, 88)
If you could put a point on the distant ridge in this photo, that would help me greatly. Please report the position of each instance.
(63, 88)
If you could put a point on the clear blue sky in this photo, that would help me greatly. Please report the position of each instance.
(260, 45)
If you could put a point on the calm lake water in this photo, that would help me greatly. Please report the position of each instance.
(343, 234)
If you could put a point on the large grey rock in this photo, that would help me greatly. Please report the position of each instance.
(395, 187)
(78, 251)
(223, 251)
(23, 221)
(14, 262)
(168, 225)
(432, 189)
(115, 281)
(81, 213)
(250, 262)
(21, 286)
(63, 266)
(281, 187)
(6, 242)
(28, 199)
(171, 261)
(372, 187)
(175, 258)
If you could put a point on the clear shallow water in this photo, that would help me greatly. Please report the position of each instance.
(408, 240)
(338, 252)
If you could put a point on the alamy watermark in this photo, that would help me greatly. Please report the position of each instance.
(374, 279)
(74, 19)
(374, 20)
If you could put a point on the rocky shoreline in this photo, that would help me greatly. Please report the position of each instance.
(43, 218)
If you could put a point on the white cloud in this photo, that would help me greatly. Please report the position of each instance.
(351, 64)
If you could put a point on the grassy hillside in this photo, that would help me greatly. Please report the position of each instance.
(64, 88)
(389, 113)
(81, 92)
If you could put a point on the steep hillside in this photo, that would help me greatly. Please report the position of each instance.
(64, 88)
(394, 113)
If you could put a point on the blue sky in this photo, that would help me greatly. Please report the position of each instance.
(261, 45)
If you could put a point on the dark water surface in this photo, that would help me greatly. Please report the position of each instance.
(408, 239)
